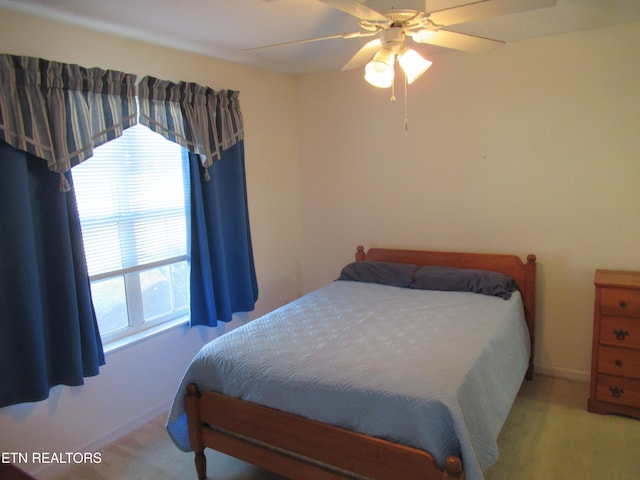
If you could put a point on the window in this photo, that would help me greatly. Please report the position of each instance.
(133, 205)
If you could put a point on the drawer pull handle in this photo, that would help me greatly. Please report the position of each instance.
(620, 334)
(618, 363)
(616, 391)
(622, 304)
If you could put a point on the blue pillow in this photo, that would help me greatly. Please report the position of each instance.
(464, 280)
(386, 273)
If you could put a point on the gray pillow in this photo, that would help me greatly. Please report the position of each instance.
(464, 280)
(386, 273)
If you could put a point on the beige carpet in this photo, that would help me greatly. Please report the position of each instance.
(548, 435)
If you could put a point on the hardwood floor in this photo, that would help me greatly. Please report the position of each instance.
(11, 472)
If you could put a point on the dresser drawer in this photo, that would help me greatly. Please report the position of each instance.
(620, 331)
(619, 361)
(620, 302)
(623, 391)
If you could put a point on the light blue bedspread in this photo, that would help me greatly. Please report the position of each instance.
(438, 371)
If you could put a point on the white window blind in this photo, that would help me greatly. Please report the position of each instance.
(131, 201)
(133, 205)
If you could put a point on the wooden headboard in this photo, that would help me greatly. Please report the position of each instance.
(523, 273)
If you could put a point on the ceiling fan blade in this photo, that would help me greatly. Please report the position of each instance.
(357, 9)
(363, 55)
(462, 41)
(317, 39)
(482, 9)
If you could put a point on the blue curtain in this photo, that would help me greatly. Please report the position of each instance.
(48, 328)
(223, 277)
(210, 126)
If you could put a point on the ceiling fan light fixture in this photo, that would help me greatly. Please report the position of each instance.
(379, 71)
(380, 80)
(412, 63)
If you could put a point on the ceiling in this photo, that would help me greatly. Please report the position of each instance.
(224, 28)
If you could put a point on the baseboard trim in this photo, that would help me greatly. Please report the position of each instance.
(48, 471)
(576, 375)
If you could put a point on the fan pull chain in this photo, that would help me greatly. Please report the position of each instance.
(406, 99)
(406, 103)
(393, 90)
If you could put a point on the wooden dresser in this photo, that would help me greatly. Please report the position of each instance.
(615, 358)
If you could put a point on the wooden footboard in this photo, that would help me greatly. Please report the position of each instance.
(298, 448)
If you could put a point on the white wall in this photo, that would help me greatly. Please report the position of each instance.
(138, 382)
(533, 148)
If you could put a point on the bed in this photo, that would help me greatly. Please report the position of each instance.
(360, 379)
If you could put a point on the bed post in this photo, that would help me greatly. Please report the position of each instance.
(195, 437)
(359, 253)
(453, 469)
(530, 308)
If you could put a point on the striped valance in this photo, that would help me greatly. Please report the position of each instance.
(203, 120)
(60, 112)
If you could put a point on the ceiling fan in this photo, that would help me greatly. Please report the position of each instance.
(394, 20)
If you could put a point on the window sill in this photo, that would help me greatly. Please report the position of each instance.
(138, 337)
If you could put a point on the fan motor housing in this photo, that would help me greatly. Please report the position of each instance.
(392, 38)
